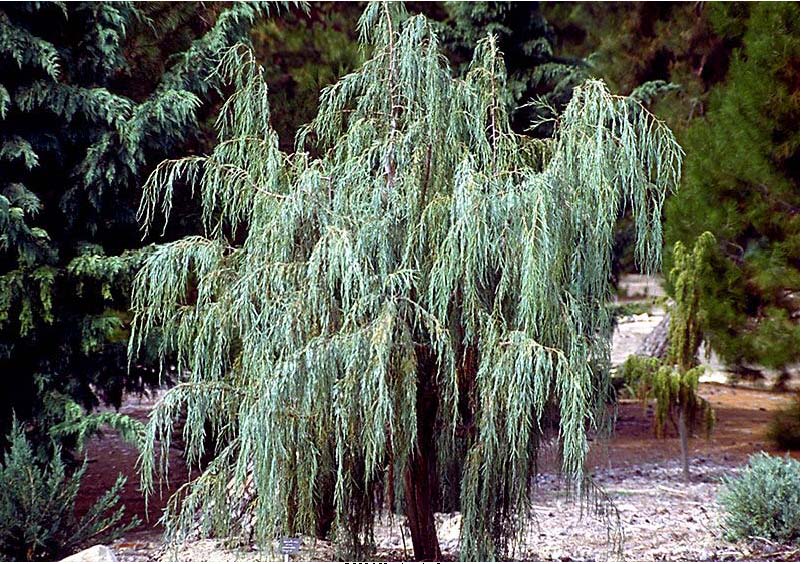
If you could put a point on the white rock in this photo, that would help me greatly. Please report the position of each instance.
(97, 553)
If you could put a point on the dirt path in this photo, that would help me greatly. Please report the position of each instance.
(742, 418)
(109, 456)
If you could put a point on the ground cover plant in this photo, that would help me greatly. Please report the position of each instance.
(37, 506)
(762, 502)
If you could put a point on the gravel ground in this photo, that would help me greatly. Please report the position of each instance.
(659, 518)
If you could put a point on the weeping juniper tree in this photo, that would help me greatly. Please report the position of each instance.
(688, 322)
(418, 295)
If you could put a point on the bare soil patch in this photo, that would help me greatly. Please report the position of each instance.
(108, 456)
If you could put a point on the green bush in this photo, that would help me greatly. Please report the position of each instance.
(635, 374)
(763, 500)
(783, 429)
(37, 506)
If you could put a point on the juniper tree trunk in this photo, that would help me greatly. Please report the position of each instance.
(685, 463)
(419, 486)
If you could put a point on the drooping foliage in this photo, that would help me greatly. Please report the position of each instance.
(37, 506)
(304, 52)
(742, 184)
(420, 282)
(539, 82)
(665, 53)
(674, 383)
(737, 116)
(648, 378)
(688, 319)
(635, 373)
(78, 134)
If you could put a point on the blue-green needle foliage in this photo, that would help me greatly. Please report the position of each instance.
(762, 501)
(425, 228)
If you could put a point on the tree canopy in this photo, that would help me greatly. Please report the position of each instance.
(539, 82)
(417, 295)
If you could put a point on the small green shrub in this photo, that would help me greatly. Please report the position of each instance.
(763, 500)
(37, 506)
(783, 429)
(636, 373)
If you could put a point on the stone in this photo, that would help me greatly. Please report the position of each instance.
(97, 553)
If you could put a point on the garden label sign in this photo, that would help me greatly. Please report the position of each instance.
(289, 545)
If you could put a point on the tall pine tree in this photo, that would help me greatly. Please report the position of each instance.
(742, 185)
(416, 297)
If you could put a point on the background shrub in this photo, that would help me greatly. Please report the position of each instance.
(783, 429)
(37, 506)
(635, 374)
(763, 500)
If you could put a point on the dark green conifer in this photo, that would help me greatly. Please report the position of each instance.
(78, 134)
(742, 184)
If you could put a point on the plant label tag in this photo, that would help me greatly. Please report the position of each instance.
(290, 545)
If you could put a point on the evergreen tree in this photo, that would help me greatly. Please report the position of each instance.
(303, 52)
(73, 151)
(539, 82)
(415, 296)
(37, 506)
(632, 43)
(742, 184)
(674, 384)
(665, 53)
